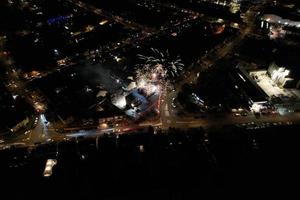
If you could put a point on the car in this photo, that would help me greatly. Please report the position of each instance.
(26, 132)
(173, 103)
(118, 130)
(244, 114)
(237, 114)
(49, 140)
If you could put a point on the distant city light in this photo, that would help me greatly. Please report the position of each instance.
(103, 126)
(117, 58)
(103, 22)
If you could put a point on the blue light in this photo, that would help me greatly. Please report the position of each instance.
(58, 19)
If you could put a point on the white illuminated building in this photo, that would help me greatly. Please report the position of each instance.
(268, 19)
(279, 75)
(282, 87)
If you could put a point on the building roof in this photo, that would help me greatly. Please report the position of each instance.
(253, 91)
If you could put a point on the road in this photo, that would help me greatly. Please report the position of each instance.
(209, 121)
(43, 132)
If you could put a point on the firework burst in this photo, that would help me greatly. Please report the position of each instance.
(155, 71)
(159, 64)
